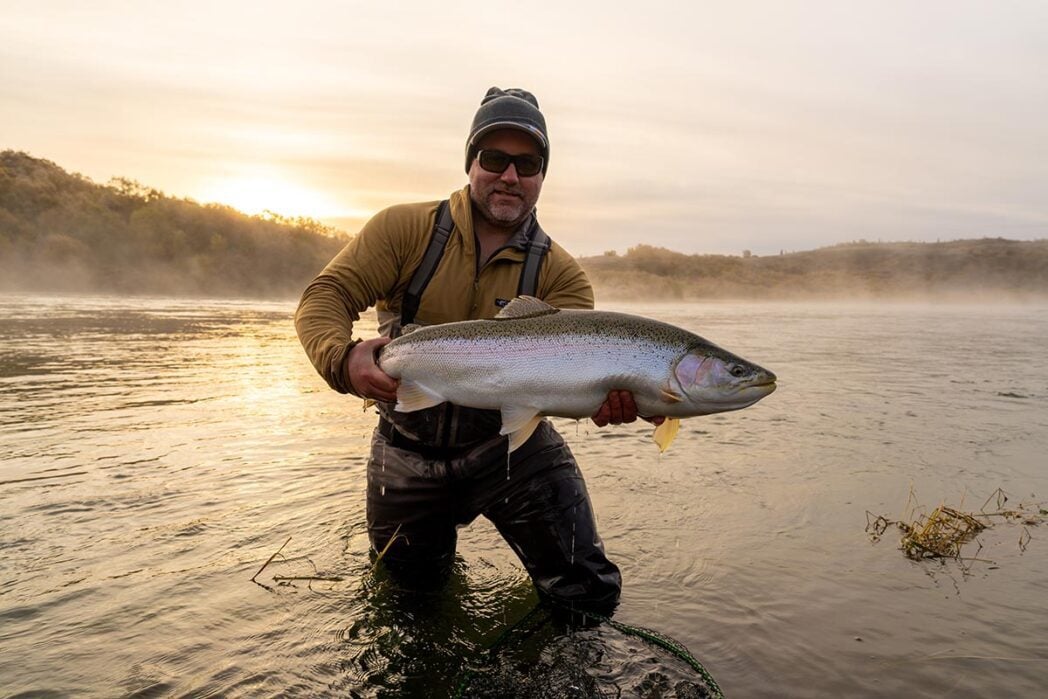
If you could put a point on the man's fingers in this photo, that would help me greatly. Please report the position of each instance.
(364, 374)
(600, 418)
(622, 407)
(379, 386)
(617, 408)
(629, 406)
(614, 407)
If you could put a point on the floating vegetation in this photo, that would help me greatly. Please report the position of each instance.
(289, 579)
(939, 535)
(945, 532)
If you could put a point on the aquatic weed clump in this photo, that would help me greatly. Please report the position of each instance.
(944, 532)
(939, 535)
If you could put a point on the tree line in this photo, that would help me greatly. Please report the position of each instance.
(974, 269)
(62, 232)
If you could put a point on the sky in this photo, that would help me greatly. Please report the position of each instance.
(702, 127)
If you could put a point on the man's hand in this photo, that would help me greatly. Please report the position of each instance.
(619, 408)
(367, 380)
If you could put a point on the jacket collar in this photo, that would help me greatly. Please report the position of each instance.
(462, 215)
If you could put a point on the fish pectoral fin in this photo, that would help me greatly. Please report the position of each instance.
(669, 395)
(368, 402)
(525, 307)
(412, 396)
(665, 433)
(519, 422)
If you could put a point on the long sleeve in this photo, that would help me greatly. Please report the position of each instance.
(362, 273)
(565, 284)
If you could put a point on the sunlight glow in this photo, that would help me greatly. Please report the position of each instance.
(255, 193)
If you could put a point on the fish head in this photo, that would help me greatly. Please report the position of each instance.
(713, 380)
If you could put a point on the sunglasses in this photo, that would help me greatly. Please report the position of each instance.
(496, 161)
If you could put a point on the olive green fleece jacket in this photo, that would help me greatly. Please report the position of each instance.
(375, 267)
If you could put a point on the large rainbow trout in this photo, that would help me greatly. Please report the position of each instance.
(534, 360)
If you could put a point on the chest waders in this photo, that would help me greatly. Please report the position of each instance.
(420, 492)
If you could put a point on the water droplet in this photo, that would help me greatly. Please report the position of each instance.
(573, 534)
(383, 489)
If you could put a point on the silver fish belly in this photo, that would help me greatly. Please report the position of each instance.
(534, 360)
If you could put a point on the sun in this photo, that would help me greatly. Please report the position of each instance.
(255, 193)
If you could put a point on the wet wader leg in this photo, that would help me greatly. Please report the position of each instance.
(407, 491)
(545, 514)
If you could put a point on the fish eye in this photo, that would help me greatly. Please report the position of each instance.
(737, 370)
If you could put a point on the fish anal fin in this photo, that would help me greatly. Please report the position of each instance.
(514, 417)
(525, 307)
(519, 422)
(517, 438)
(412, 396)
(665, 433)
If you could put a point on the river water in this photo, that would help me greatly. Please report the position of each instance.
(155, 453)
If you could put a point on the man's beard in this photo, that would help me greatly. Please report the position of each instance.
(502, 215)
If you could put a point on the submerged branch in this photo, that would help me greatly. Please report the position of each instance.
(270, 560)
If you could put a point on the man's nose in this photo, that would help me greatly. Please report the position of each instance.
(510, 174)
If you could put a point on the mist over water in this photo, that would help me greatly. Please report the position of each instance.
(155, 452)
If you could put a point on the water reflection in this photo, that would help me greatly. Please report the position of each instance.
(178, 443)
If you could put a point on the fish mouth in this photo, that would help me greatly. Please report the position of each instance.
(756, 391)
(765, 379)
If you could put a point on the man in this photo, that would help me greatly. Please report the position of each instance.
(433, 470)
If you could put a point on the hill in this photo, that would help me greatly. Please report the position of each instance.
(960, 269)
(62, 232)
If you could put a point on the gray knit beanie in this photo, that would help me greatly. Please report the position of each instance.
(508, 109)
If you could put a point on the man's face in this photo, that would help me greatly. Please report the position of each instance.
(505, 199)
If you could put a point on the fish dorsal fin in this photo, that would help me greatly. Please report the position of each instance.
(525, 307)
(409, 328)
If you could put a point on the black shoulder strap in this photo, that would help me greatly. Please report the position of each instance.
(437, 242)
(538, 246)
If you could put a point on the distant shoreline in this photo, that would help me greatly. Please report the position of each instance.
(62, 233)
(962, 270)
